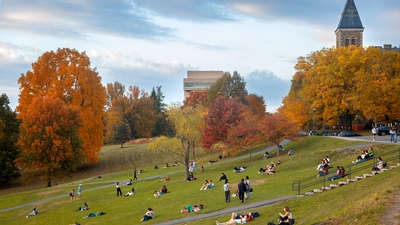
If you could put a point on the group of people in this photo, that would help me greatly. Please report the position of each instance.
(324, 163)
(207, 184)
(163, 190)
(190, 208)
(365, 155)
(269, 169)
(72, 193)
(239, 169)
(393, 134)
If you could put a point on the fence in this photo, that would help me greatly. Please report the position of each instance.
(352, 170)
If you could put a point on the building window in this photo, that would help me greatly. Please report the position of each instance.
(353, 40)
(347, 42)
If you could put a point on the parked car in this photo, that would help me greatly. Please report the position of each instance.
(326, 133)
(384, 130)
(338, 133)
(349, 134)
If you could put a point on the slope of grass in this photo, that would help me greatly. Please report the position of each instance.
(328, 206)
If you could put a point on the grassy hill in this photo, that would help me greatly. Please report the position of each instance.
(361, 202)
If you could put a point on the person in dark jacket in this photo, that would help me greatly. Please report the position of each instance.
(241, 190)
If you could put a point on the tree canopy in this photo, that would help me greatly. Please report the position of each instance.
(50, 138)
(9, 131)
(67, 75)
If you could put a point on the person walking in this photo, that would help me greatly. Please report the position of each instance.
(227, 192)
(135, 174)
(119, 192)
(72, 194)
(241, 190)
(374, 131)
(79, 191)
(247, 187)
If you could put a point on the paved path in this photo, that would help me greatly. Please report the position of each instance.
(144, 178)
(227, 211)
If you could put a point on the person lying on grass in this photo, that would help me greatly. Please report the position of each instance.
(190, 208)
(238, 219)
(95, 214)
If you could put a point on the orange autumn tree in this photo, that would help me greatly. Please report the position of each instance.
(278, 127)
(66, 74)
(195, 98)
(247, 134)
(49, 139)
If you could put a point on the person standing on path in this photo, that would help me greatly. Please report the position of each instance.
(72, 194)
(247, 187)
(227, 192)
(374, 131)
(119, 192)
(241, 190)
(135, 174)
(79, 191)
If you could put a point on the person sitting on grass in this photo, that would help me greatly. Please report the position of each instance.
(223, 177)
(163, 190)
(148, 215)
(156, 194)
(262, 170)
(130, 193)
(95, 214)
(324, 163)
(33, 213)
(129, 182)
(290, 152)
(191, 177)
(271, 169)
(340, 172)
(207, 184)
(379, 165)
(85, 207)
(285, 218)
(166, 166)
(323, 172)
(238, 219)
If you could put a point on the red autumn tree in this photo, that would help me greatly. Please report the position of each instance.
(223, 114)
(50, 140)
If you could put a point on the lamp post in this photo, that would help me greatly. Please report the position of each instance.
(314, 108)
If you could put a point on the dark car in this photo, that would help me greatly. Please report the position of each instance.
(383, 130)
(348, 134)
(326, 133)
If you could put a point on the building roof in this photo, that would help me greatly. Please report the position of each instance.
(350, 17)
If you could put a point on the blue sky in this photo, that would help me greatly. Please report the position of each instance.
(149, 43)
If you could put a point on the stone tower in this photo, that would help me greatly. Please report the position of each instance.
(350, 29)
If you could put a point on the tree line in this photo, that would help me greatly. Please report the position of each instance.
(65, 114)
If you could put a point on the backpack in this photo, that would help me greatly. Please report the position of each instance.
(256, 214)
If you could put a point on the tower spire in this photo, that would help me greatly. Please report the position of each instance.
(350, 29)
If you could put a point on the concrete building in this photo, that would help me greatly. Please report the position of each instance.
(388, 48)
(199, 80)
(350, 29)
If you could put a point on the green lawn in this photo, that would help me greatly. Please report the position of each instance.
(365, 199)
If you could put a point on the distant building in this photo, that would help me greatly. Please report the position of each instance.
(350, 29)
(388, 48)
(200, 81)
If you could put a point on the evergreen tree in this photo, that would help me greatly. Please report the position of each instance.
(9, 129)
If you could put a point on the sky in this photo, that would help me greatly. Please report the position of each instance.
(150, 43)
